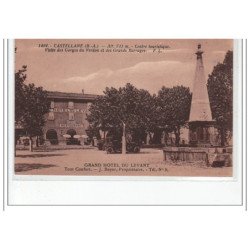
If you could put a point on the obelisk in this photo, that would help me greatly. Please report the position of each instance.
(200, 119)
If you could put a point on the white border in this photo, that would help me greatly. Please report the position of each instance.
(129, 190)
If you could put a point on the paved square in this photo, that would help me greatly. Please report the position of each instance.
(149, 162)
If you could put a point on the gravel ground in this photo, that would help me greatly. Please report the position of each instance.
(149, 162)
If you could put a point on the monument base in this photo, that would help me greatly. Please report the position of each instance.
(212, 156)
(203, 134)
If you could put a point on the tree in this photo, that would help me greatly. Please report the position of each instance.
(20, 77)
(31, 105)
(220, 91)
(127, 105)
(173, 109)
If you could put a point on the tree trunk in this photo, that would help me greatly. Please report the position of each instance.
(31, 144)
(37, 142)
(15, 146)
(124, 139)
(157, 137)
(177, 136)
(222, 135)
(148, 138)
(166, 138)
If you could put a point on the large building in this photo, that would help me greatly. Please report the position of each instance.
(66, 122)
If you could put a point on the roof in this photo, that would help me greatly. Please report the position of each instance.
(70, 96)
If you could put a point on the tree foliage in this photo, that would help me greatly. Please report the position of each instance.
(220, 90)
(140, 111)
(20, 77)
(173, 109)
(128, 104)
(31, 105)
(36, 106)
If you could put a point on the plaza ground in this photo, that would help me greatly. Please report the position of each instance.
(91, 161)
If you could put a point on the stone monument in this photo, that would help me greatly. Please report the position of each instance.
(203, 145)
(201, 125)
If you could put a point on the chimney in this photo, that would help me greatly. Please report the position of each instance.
(83, 91)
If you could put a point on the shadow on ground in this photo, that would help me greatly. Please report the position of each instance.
(132, 153)
(38, 155)
(153, 152)
(21, 167)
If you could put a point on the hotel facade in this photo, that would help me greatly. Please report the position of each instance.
(67, 118)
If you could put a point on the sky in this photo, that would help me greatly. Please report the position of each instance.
(94, 71)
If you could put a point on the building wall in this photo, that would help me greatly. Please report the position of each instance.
(65, 115)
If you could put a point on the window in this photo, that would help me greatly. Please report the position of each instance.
(88, 107)
(70, 105)
(51, 116)
(71, 116)
(52, 104)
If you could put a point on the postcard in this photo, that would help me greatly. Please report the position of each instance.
(124, 107)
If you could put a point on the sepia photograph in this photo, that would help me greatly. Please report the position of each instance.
(124, 107)
(124, 125)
